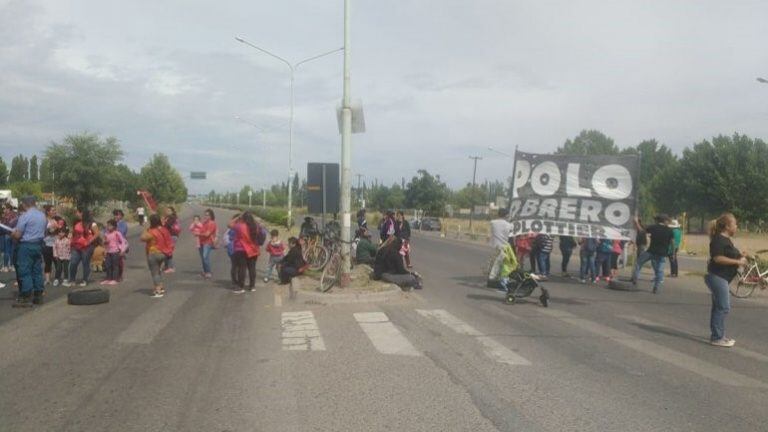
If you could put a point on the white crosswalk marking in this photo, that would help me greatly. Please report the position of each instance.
(300, 332)
(149, 324)
(384, 335)
(493, 349)
(659, 352)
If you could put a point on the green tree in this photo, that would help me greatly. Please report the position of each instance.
(589, 142)
(27, 187)
(46, 175)
(726, 174)
(163, 181)
(427, 192)
(467, 196)
(3, 173)
(82, 165)
(655, 159)
(19, 169)
(34, 173)
(123, 184)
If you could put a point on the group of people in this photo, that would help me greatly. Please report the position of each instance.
(42, 249)
(600, 257)
(391, 258)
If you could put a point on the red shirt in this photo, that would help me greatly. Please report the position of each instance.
(80, 237)
(244, 242)
(208, 233)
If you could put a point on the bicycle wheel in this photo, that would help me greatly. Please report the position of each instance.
(746, 283)
(331, 273)
(317, 257)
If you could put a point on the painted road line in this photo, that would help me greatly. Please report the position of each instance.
(492, 348)
(736, 349)
(149, 324)
(659, 352)
(386, 338)
(300, 332)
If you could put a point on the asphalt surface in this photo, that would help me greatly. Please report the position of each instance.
(452, 357)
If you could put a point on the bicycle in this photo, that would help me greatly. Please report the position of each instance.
(332, 270)
(753, 275)
(315, 253)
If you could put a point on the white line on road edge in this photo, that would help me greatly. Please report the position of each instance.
(659, 352)
(493, 349)
(738, 350)
(384, 335)
(149, 324)
(300, 332)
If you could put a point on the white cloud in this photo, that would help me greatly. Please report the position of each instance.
(439, 80)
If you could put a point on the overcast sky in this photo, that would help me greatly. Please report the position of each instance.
(440, 80)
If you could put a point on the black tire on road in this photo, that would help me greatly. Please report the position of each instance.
(88, 297)
(621, 285)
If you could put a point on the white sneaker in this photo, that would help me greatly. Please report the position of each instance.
(239, 291)
(724, 342)
(2, 285)
(55, 282)
(66, 283)
(266, 280)
(83, 283)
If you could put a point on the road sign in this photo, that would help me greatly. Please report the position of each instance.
(323, 187)
(198, 175)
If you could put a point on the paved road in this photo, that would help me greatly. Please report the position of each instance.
(453, 357)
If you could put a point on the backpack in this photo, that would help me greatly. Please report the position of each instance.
(606, 246)
(261, 235)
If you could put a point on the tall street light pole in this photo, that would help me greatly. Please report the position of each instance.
(346, 154)
(292, 68)
(472, 196)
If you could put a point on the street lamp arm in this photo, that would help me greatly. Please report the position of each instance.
(500, 152)
(318, 56)
(243, 41)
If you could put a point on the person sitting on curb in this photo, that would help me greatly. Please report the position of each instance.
(293, 263)
(366, 251)
(389, 267)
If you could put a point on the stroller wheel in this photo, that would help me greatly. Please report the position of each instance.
(511, 298)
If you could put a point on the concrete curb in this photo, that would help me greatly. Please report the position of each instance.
(393, 292)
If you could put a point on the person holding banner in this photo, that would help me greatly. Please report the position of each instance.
(661, 237)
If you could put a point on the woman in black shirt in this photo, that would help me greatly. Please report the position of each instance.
(723, 265)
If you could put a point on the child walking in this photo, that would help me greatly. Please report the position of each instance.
(115, 247)
(62, 252)
(276, 250)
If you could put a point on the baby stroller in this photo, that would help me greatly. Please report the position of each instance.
(517, 284)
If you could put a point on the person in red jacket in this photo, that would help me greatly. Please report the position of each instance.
(159, 248)
(245, 251)
(207, 239)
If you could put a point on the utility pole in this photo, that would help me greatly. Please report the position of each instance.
(263, 198)
(472, 196)
(346, 155)
(359, 190)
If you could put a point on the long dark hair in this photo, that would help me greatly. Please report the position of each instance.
(253, 227)
(86, 218)
(154, 220)
(210, 214)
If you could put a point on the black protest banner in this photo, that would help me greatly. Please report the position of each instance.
(582, 196)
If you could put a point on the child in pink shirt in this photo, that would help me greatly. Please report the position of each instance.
(195, 227)
(115, 245)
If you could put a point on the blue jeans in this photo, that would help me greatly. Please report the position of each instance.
(30, 267)
(7, 251)
(80, 256)
(543, 263)
(587, 267)
(603, 261)
(273, 262)
(205, 256)
(169, 264)
(721, 304)
(657, 262)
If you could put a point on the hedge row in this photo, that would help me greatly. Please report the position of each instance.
(272, 215)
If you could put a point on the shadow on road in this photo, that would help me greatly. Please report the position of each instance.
(670, 332)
